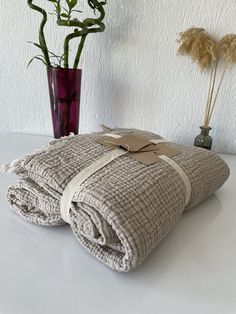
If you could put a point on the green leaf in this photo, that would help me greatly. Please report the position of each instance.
(65, 15)
(40, 58)
(67, 11)
(57, 8)
(35, 44)
(77, 11)
(73, 3)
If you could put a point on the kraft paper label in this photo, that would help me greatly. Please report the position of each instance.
(139, 148)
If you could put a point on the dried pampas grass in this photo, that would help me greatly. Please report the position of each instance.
(197, 43)
(227, 48)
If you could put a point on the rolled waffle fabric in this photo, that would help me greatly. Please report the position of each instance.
(123, 210)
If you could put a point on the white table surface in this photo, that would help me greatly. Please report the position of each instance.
(45, 270)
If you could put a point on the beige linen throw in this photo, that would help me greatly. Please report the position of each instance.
(122, 211)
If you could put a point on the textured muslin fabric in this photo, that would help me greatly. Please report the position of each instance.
(124, 210)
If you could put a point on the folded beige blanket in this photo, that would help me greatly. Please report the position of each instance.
(121, 212)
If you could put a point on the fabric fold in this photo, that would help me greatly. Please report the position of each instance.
(124, 210)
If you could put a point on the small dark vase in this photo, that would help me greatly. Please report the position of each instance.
(204, 140)
(64, 90)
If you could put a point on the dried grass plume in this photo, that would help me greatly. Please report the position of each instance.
(197, 43)
(227, 48)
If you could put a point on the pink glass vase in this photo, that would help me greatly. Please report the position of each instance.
(64, 90)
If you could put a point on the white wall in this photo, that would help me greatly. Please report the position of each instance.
(132, 76)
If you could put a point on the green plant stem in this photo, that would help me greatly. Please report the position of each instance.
(69, 23)
(81, 45)
(84, 34)
(95, 4)
(79, 51)
(99, 29)
(66, 45)
(87, 27)
(42, 40)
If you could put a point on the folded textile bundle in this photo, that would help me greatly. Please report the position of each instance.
(119, 208)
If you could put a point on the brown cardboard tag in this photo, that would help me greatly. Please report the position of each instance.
(138, 147)
(130, 142)
(107, 141)
(147, 158)
(151, 157)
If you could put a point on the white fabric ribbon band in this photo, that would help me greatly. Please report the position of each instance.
(154, 141)
(182, 175)
(73, 186)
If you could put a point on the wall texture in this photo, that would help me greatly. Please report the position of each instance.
(132, 76)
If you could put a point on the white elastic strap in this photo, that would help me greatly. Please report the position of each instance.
(154, 141)
(183, 176)
(112, 135)
(82, 176)
(158, 140)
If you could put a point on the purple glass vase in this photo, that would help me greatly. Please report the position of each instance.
(64, 90)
